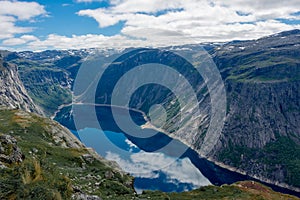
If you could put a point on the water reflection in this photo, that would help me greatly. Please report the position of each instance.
(152, 171)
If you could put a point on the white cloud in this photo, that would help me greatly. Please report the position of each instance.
(200, 20)
(130, 144)
(21, 10)
(18, 41)
(147, 6)
(264, 9)
(13, 11)
(134, 38)
(8, 27)
(104, 19)
(81, 41)
(159, 22)
(191, 10)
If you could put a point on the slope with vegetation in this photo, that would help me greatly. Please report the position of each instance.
(45, 161)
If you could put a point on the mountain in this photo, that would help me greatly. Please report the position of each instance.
(48, 76)
(261, 135)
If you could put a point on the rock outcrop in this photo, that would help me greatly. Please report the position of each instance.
(12, 91)
(9, 151)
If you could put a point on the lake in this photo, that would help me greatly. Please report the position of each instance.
(154, 166)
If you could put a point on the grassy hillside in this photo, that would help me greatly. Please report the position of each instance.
(55, 166)
(267, 60)
(242, 190)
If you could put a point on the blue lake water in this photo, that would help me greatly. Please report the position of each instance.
(154, 171)
(157, 161)
(154, 166)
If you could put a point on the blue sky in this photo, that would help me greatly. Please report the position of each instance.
(74, 24)
(63, 19)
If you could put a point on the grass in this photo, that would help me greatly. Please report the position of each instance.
(262, 66)
(243, 190)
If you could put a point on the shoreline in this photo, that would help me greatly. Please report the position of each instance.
(283, 186)
(236, 170)
(148, 125)
(219, 164)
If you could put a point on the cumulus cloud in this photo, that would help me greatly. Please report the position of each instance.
(130, 144)
(13, 11)
(101, 16)
(8, 27)
(213, 20)
(159, 22)
(21, 10)
(120, 41)
(81, 41)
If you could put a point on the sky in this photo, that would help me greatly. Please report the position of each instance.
(76, 24)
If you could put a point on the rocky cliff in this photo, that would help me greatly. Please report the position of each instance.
(261, 136)
(12, 92)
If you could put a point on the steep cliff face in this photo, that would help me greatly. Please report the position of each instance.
(261, 136)
(264, 111)
(12, 92)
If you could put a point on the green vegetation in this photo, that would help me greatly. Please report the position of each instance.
(46, 86)
(253, 65)
(242, 190)
(50, 171)
(266, 71)
(283, 152)
(50, 97)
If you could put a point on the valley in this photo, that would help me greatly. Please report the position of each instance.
(260, 138)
